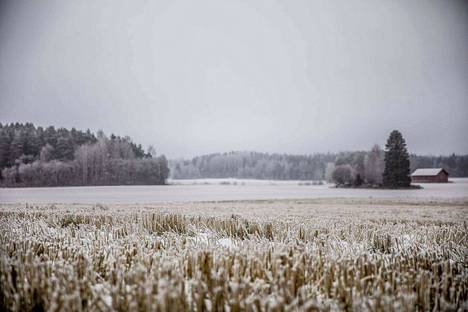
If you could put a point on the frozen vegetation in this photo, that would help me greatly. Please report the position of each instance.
(253, 165)
(33, 156)
(283, 255)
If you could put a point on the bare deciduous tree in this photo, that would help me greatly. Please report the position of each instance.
(374, 165)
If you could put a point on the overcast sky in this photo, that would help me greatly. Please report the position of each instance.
(194, 77)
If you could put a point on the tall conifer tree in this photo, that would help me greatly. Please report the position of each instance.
(397, 164)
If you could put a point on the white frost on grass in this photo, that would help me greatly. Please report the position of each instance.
(203, 237)
(226, 242)
(210, 237)
(407, 240)
(107, 300)
(102, 292)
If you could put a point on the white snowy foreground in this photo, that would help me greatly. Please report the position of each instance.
(220, 190)
(322, 254)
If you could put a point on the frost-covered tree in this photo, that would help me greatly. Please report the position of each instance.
(330, 167)
(397, 164)
(31, 156)
(343, 175)
(374, 165)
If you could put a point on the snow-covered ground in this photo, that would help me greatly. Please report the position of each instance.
(221, 189)
(233, 181)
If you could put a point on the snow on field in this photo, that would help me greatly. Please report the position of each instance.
(376, 254)
(221, 189)
(248, 182)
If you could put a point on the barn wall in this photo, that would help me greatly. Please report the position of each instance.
(442, 177)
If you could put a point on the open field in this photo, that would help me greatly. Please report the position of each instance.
(221, 189)
(269, 255)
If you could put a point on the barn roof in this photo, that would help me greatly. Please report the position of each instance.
(427, 171)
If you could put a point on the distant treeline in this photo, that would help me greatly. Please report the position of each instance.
(253, 165)
(37, 156)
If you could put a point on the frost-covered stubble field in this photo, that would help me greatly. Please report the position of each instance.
(284, 255)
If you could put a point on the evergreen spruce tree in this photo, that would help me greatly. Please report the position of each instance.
(397, 164)
(63, 149)
(17, 147)
(4, 150)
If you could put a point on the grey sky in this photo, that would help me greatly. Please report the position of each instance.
(193, 77)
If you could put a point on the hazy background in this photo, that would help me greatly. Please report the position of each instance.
(193, 77)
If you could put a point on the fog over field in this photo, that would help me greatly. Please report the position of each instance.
(196, 77)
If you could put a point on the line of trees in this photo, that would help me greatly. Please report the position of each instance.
(34, 156)
(389, 169)
(358, 168)
(251, 165)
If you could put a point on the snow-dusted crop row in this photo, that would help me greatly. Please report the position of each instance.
(119, 258)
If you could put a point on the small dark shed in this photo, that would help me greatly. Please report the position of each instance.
(430, 175)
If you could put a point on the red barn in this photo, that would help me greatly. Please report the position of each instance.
(430, 175)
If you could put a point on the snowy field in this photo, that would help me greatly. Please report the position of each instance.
(222, 189)
(276, 255)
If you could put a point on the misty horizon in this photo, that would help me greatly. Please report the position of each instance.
(381, 145)
(208, 77)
